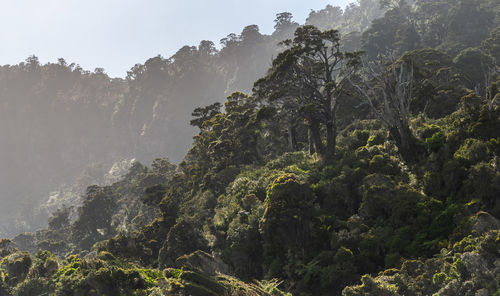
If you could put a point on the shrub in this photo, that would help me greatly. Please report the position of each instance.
(436, 141)
(17, 266)
(32, 287)
(376, 139)
(472, 151)
(287, 219)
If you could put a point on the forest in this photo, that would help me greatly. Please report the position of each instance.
(355, 154)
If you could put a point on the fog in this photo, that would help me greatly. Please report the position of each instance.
(63, 127)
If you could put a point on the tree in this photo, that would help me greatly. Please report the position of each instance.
(226, 141)
(491, 45)
(309, 77)
(284, 26)
(439, 84)
(287, 221)
(331, 17)
(394, 32)
(477, 67)
(432, 20)
(202, 114)
(60, 219)
(207, 48)
(95, 216)
(469, 22)
(281, 92)
(388, 89)
(182, 239)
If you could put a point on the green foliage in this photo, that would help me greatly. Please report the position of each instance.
(388, 33)
(474, 64)
(436, 141)
(472, 151)
(94, 220)
(370, 287)
(60, 218)
(267, 191)
(459, 270)
(45, 265)
(376, 139)
(492, 44)
(483, 182)
(383, 165)
(445, 222)
(182, 239)
(150, 276)
(32, 287)
(17, 266)
(286, 222)
(288, 159)
(439, 278)
(475, 17)
(311, 67)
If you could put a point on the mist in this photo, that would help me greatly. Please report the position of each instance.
(65, 126)
(338, 150)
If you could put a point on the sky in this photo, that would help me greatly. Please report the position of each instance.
(116, 34)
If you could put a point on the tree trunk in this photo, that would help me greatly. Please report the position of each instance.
(403, 137)
(316, 138)
(310, 140)
(292, 137)
(331, 141)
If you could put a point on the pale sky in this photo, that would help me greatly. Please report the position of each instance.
(116, 34)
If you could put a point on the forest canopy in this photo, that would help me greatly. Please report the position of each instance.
(355, 154)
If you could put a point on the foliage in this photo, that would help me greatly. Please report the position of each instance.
(322, 180)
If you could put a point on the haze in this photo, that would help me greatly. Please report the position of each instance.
(116, 34)
(64, 127)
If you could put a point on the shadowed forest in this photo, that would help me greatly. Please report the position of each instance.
(355, 154)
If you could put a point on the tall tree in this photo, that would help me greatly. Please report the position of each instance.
(310, 75)
(284, 26)
(388, 89)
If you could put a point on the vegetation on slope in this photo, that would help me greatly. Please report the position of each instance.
(342, 172)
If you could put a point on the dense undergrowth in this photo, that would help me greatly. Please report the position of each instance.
(280, 196)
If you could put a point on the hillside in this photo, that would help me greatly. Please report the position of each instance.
(363, 161)
(66, 126)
